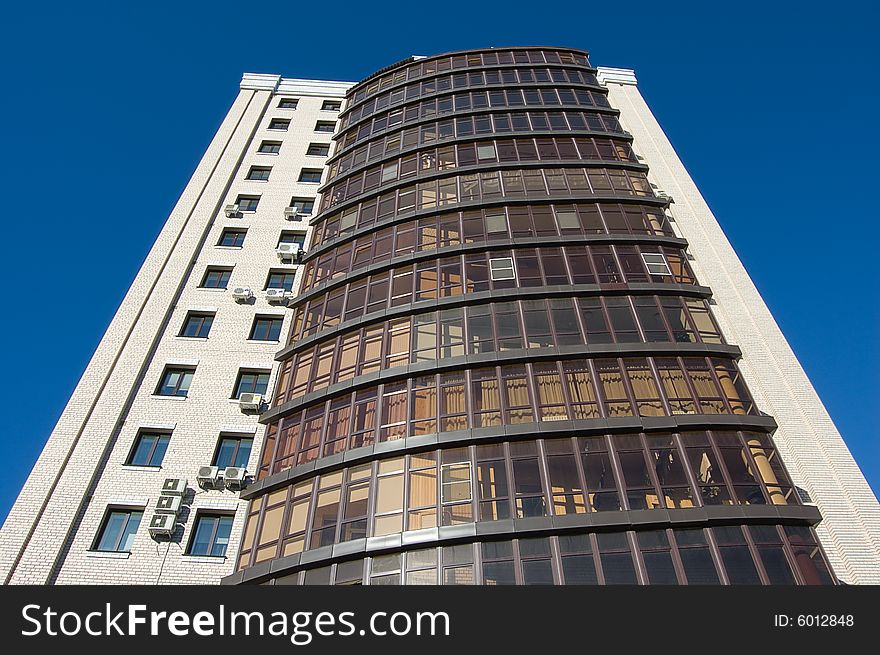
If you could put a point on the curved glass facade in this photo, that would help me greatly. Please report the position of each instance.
(502, 368)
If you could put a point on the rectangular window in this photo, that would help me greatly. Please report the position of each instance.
(211, 535)
(259, 173)
(266, 328)
(247, 203)
(280, 280)
(298, 238)
(310, 176)
(279, 124)
(331, 105)
(251, 382)
(656, 263)
(318, 149)
(270, 147)
(175, 382)
(501, 268)
(216, 278)
(118, 530)
(197, 325)
(149, 449)
(305, 205)
(325, 126)
(233, 451)
(232, 237)
(288, 103)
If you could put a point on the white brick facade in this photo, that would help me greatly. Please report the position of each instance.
(811, 446)
(51, 529)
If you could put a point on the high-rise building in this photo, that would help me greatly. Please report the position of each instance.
(504, 341)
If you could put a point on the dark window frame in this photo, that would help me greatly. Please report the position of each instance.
(223, 282)
(306, 175)
(259, 373)
(168, 370)
(160, 435)
(279, 320)
(217, 515)
(197, 316)
(238, 438)
(232, 231)
(105, 521)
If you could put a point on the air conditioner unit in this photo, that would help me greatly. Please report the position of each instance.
(665, 196)
(162, 525)
(208, 477)
(278, 295)
(242, 293)
(250, 401)
(288, 250)
(231, 210)
(168, 504)
(294, 214)
(234, 477)
(174, 487)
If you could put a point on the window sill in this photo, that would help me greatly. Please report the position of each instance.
(211, 289)
(268, 153)
(206, 559)
(247, 179)
(143, 469)
(161, 397)
(180, 336)
(228, 247)
(275, 341)
(100, 554)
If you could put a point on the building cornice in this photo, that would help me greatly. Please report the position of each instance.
(278, 84)
(616, 75)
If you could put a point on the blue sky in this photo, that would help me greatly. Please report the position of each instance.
(109, 107)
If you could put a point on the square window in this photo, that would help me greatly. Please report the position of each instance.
(266, 328)
(197, 325)
(656, 263)
(118, 530)
(149, 449)
(232, 237)
(305, 205)
(288, 103)
(259, 173)
(233, 451)
(216, 277)
(280, 124)
(501, 268)
(251, 382)
(175, 382)
(270, 147)
(211, 535)
(247, 203)
(325, 126)
(310, 175)
(281, 280)
(331, 105)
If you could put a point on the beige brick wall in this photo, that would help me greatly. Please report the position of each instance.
(811, 446)
(52, 526)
